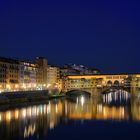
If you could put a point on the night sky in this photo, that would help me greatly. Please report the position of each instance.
(103, 34)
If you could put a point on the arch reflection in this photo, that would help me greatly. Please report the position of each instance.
(117, 96)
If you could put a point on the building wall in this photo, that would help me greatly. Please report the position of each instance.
(22, 75)
(3, 75)
(9, 74)
(60, 85)
(28, 79)
(40, 79)
(42, 71)
(52, 75)
(12, 76)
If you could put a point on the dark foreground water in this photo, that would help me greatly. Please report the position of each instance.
(114, 116)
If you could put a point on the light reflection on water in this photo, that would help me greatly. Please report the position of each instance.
(117, 96)
(37, 120)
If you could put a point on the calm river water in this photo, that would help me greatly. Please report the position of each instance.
(111, 117)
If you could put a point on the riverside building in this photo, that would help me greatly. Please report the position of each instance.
(17, 75)
(9, 74)
(27, 75)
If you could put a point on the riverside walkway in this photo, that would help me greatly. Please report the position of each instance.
(26, 96)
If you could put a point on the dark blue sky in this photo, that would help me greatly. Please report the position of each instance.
(99, 33)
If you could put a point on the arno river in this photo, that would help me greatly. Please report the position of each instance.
(112, 116)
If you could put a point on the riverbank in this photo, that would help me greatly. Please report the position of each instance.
(27, 96)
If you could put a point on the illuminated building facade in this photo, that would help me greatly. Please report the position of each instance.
(60, 84)
(28, 75)
(74, 84)
(16, 75)
(39, 78)
(24, 75)
(42, 64)
(9, 74)
(52, 75)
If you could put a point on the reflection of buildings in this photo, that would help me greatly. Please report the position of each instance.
(135, 109)
(112, 106)
(26, 122)
(111, 113)
(36, 120)
(95, 111)
(78, 110)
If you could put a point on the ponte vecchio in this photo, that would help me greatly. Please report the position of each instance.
(89, 82)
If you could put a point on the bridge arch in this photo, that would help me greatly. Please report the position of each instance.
(74, 93)
(116, 83)
(109, 83)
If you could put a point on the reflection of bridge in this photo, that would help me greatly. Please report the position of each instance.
(90, 82)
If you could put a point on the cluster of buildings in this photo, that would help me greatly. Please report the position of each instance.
(73, 69)
(19, 75)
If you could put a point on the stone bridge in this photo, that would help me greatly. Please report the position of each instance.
(91, 83)
(96, 80)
